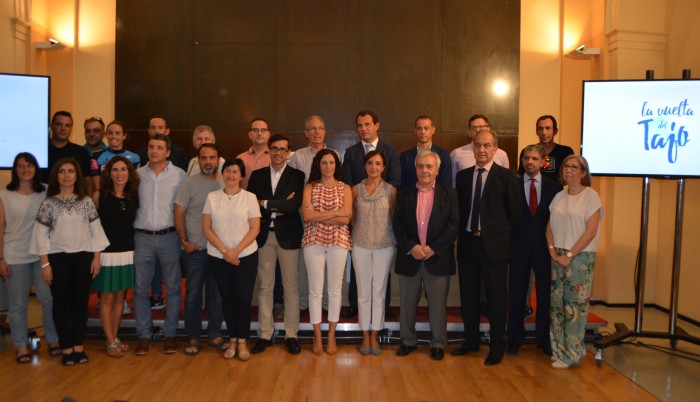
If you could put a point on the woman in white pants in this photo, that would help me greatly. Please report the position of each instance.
(326, 209)
(374, 246)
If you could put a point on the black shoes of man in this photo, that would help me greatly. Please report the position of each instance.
(291, 344)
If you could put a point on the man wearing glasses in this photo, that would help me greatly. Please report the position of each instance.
(463, 157)
(94, 135)
(279, 189)
(257, 156)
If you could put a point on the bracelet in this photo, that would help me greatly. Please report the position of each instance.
(223, 251)
(551, 246)
(45, 265)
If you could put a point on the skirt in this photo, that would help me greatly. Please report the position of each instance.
(116, 272)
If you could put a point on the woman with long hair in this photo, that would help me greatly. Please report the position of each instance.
(231, 222)
(572, 234)
(117, 205)
(68, 239)
(326, 209)
(19, 204)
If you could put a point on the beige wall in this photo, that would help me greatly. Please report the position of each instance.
(633, 35)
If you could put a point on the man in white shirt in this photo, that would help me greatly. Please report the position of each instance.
(156, 240)
(463, 157)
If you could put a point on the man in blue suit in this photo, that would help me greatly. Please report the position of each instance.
(530, 251)
(425, 129)
(367, 124)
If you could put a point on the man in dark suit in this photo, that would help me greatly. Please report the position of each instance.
(354, 172)
(489, 210)
(425, 225)
(279, 189)
(424, 140)
(530, 252)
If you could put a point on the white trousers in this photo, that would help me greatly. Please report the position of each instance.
(334, 258)
(372, 268)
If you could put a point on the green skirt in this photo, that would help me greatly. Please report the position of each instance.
(116, 272)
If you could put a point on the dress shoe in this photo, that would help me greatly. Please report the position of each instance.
(405, 350)
(143, 347)
(494, 357)
(546, 349)
(260, 345)
(513, 348)
(465, 350)
(292, 346)
(350, 312)
(437, 353)
(169, 346)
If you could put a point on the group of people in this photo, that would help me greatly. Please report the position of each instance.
(271, 212)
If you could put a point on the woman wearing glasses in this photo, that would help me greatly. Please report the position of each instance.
(19, 204)
(573, 233)
(117, 205)
(68, 238)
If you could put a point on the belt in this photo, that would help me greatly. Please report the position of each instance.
(475, 234)
(156, 232)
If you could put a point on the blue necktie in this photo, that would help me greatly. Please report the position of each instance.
(477, 201)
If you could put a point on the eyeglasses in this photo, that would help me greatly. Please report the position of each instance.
(275, 150)
(89, 119)
(477, 128)
(573, 168)
(259, 130)
(316, 129)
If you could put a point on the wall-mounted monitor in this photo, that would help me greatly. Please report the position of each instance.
(648, 128)
(24, 113)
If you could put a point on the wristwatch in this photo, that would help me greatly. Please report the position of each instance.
(568, 254)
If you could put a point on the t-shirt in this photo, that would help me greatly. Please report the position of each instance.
(229, 219)
(100, 158)
(191, 195)
(69, 150)
(568, 217)
(20, 214)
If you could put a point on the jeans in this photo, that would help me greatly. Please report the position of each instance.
(22, 276)
(149, 249)
(198, 272)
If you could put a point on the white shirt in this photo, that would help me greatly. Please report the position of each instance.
(274, 180)
(538, 187)
(229, 219)
(568, 217)
(463, 158)
(20, 214)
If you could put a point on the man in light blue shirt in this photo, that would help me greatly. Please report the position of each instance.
(156, 240)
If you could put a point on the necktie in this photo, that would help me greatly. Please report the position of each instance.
(533, 197)
(476, 201)
(368, 147)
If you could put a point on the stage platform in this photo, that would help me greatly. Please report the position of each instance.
(347, 328)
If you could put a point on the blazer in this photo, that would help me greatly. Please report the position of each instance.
(500, 209)
(408, 167)
(288, 226)
(354, 165)
(442, 231)
(529, 234)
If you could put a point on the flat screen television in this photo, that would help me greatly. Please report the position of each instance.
(646, 128)
(24, 113)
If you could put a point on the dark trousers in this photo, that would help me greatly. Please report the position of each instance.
(475, 266)
(352, 289)
(70, 289)
(536, 257)
(236, 284)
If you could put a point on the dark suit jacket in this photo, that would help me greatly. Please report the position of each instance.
(408, 167)
(354, 165)
(288, 226)
(178, 156)
(442, 231)
(529, 235)
(500, 210)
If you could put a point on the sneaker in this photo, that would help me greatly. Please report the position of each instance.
(157, 303)
(278, 312)
(127, 309)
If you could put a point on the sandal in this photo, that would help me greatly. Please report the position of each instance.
(218, 343)
(230, 352)
(80, 357)
(23, 358)
(67, 359)
(192, 347)
(114, 350)
(123, 346)
(55, 350)
(243, 355)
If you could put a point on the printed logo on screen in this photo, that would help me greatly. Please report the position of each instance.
(664, 129)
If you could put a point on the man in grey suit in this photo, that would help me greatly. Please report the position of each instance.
(367, 124)
(489, 202)
(425, 225)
